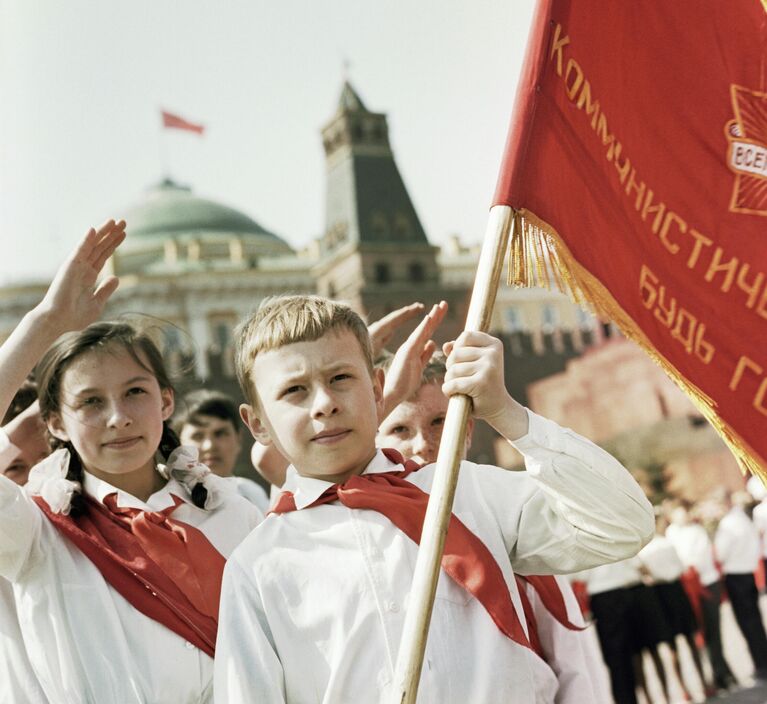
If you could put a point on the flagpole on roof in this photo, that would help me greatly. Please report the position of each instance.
(162, 149)
(427, 569)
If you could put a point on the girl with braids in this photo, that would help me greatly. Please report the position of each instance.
(117, 544)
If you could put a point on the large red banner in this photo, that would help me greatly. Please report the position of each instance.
(637, 159)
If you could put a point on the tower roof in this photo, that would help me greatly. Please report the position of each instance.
(349, 100)
(366, 198)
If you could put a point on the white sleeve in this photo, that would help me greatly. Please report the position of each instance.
(569, 653)
(585, 510)
(20, 522)
(247, 669)
(8, 451)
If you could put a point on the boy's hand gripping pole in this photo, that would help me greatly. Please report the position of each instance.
(416, 627)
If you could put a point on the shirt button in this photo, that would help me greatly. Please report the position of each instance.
(189, 646)
(392, 606)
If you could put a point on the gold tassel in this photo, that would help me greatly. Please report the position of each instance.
(538, 255)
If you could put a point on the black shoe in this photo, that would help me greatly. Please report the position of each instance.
(727, 684)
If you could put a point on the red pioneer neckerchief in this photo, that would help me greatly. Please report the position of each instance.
(466, 558)
(166, 569)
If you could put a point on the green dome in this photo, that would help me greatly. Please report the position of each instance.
(170, 208)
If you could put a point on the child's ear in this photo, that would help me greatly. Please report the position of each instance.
(56, 427)
(257, 429)
(168, 403)
(378, 386)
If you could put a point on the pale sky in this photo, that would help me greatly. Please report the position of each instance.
(82, 83)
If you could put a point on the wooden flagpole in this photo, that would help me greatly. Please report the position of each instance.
(416, 627)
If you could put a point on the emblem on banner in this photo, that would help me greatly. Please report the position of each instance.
(747, 151)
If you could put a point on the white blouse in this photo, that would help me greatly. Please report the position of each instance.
(661, 559)
(18, 682)
(313, 601)
(737, 543)
(574, 656)
(695, 549)
(86, 643)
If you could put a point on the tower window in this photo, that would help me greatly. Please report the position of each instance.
(378, 224)
(382, 273)
(221, 335)
(514, 320)
(585, 321)
(402, 226)
(549, 318)
(416, 272)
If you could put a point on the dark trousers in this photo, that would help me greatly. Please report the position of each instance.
(710, 607)
(612, 613)
(744, 597)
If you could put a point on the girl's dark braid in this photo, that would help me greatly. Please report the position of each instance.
(77, 506)
(168, 442)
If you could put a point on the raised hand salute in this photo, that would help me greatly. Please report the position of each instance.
(74, 299)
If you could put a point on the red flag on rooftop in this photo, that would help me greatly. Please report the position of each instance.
(179, 123)
(637, 163)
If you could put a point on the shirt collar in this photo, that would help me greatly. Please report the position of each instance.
(306, 490)
(99, 489)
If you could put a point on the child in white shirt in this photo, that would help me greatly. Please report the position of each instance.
(115, 551)
(414, 428)
(313, 600)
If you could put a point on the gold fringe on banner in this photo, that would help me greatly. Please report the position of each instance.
(539, 257)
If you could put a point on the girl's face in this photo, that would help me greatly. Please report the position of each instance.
(111, 409)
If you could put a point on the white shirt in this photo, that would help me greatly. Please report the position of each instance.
(760, 519)
(18, 682)
(661, 559)
(313, 601)
(8, 451)
(694, 549)
(737, 543)
(252, 491)
(573, 655)
(616, 575)
(86, 643)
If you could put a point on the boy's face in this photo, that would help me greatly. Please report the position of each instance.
(414, 428)
(218, 441)
(318, 404)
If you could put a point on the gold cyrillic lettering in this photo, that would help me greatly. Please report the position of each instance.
(638, 187)
(716, 266)
(624, 168)
(572, 90)
(761, 307)
(743, 364)
(584, 100)
(658, 209)
(557, 44)
(607, 139)
(704, 350)
(665, 314)
(647, 286)
(685, 338)
(751, 289)
(759, 398)
(672, 247)
(700, 242)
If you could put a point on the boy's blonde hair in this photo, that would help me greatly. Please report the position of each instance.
(433, 372)
(283, 320)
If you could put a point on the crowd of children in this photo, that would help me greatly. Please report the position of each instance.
(135, 567)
